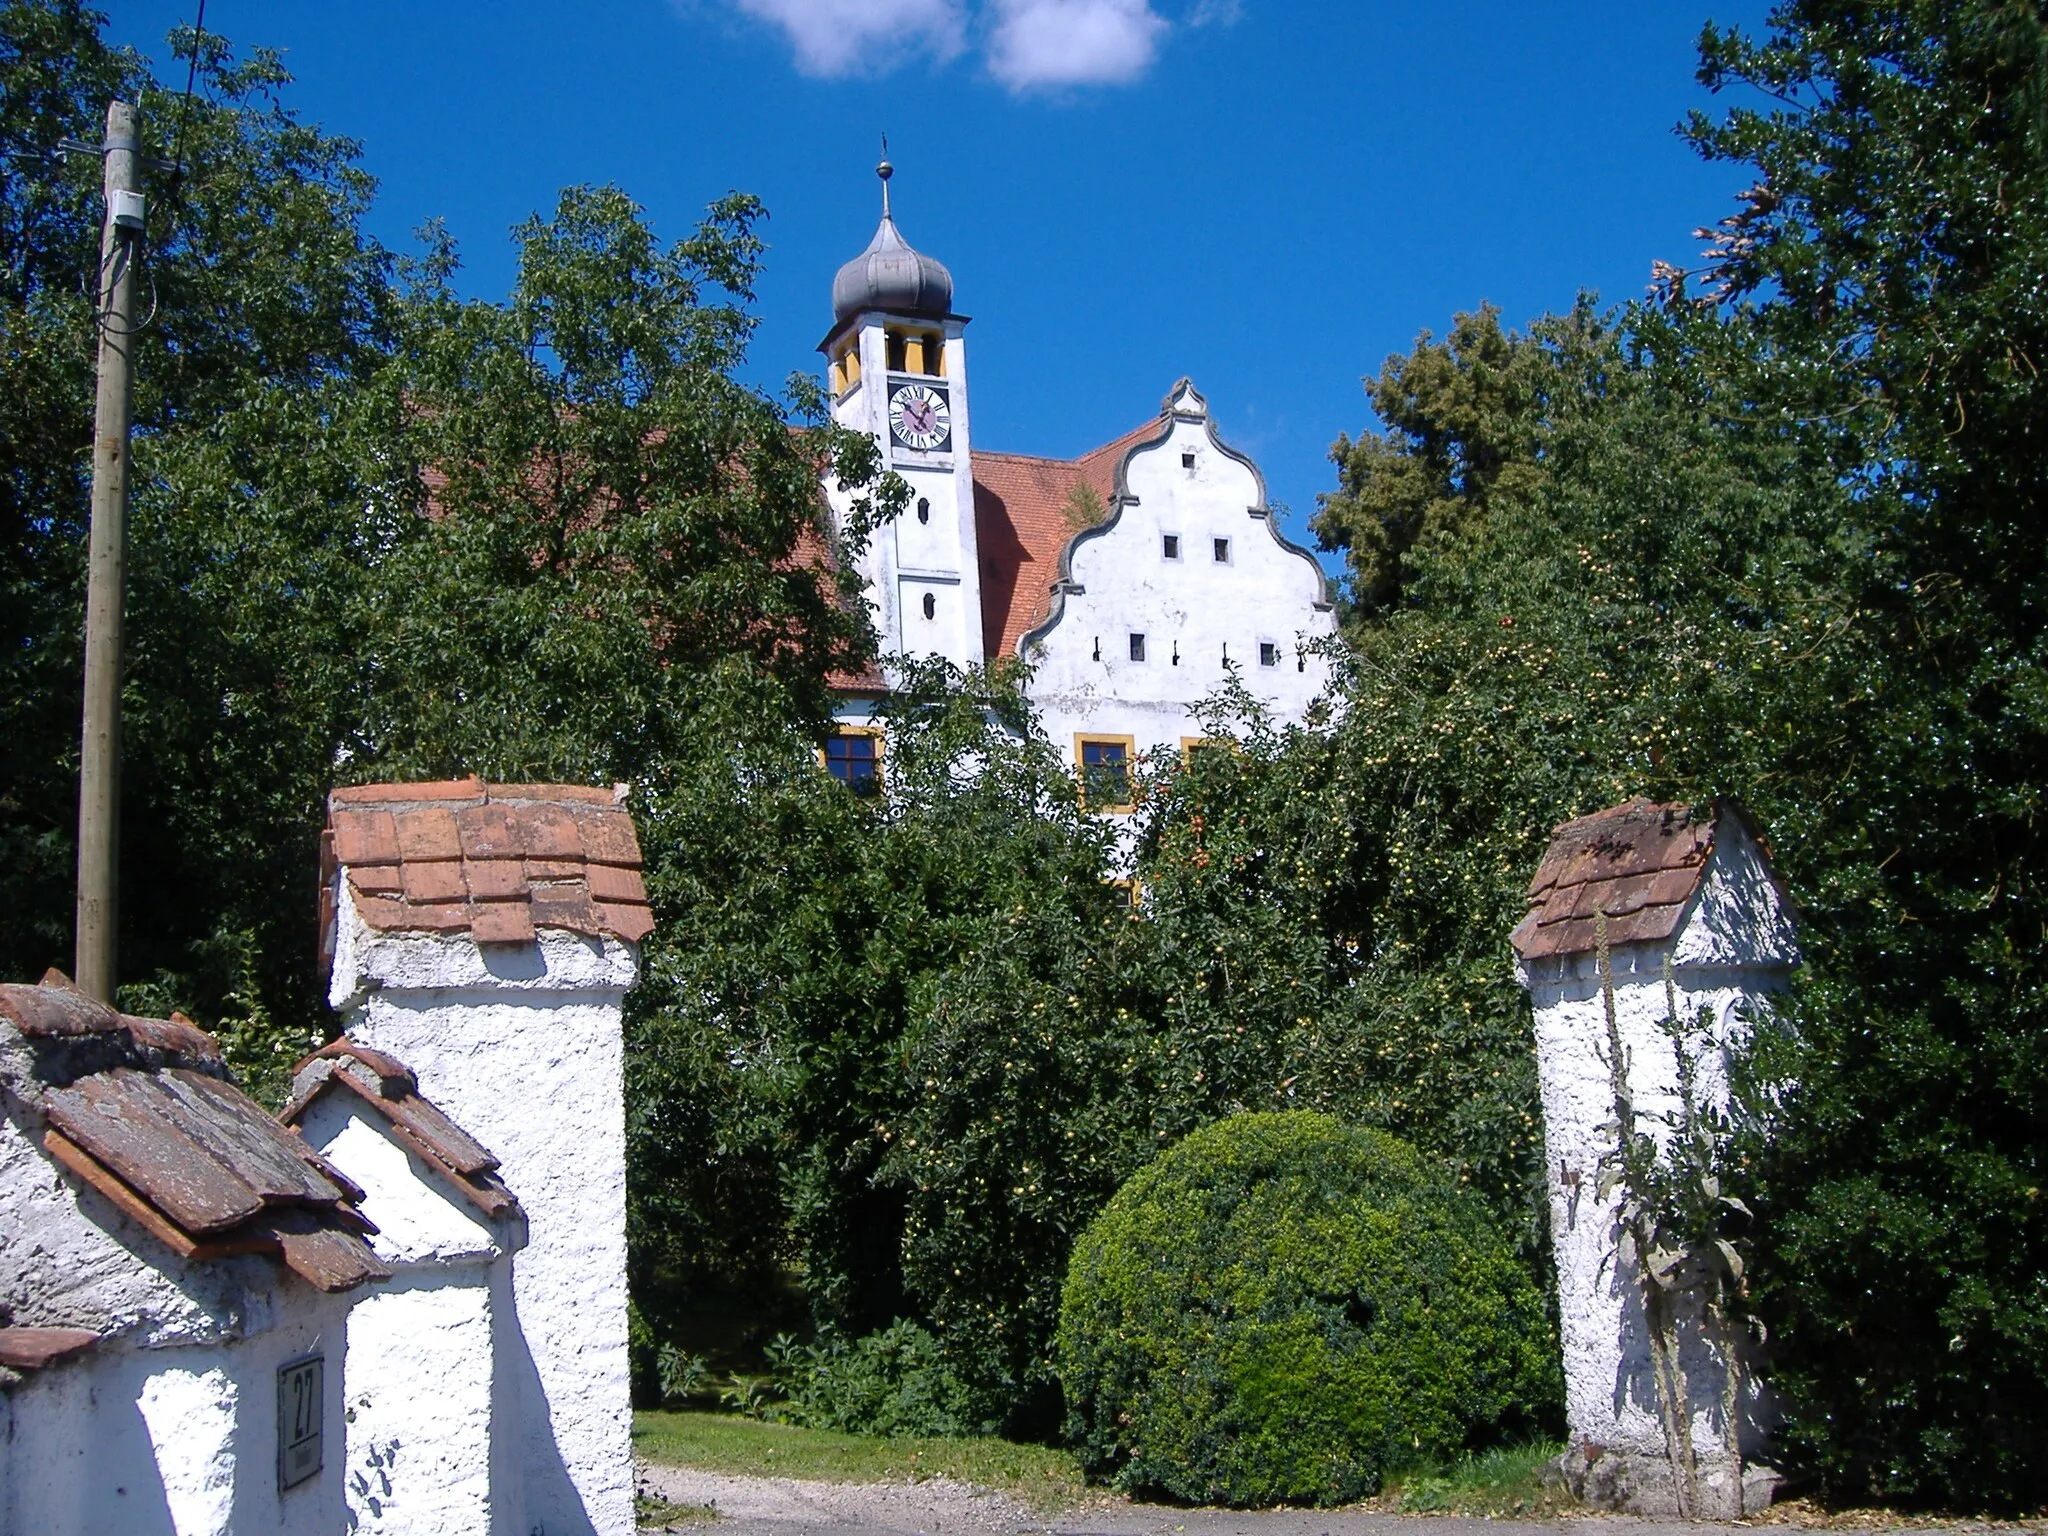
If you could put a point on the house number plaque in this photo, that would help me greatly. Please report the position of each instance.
(299, 1386)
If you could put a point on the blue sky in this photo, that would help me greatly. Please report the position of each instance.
(1269, 197)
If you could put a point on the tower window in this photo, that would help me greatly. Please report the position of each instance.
(931, 606)
(895, 344)
(1169, 546)
(1269, 654)
(1137, 647)
(1221, 549)
(924, 510)
(854, 758)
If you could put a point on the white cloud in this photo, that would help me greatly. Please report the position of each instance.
(839, 37)
(1038, 43)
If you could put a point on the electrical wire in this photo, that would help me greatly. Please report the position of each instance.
(184, 116)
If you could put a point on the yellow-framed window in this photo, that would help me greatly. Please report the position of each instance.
(1106, 767)
(1129, 893)
(853, 756)
(1190, 746)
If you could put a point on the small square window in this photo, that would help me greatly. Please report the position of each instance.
(1269, 654)
(1137, 647)
(1169, 546)
(1187, 459)
(1222, 551)
(854, 758)
(1105, 764)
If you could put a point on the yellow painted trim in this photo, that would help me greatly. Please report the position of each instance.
(1130, 746)
(1188, 744)
(1136, 887)
(881, 746)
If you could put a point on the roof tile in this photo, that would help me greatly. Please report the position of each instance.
(427, 832)
(377, 879)
(497, 860)
(1640, 864)
(568, 906)
(549, 832)
(496, 879)
(610, 883)
(183, 1153)
(435, 880)
(471, 788)
(608, 838)
(502, 922)
(367, 836)
(631, 923)
(33, 1349)
(488, 832)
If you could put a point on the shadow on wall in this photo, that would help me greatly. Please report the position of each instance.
(82, 1466)
(526, 1464)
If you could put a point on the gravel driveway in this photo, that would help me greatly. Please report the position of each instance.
(783, 1506)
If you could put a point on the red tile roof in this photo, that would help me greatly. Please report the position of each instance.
(388, 1087)
(31, 1349)
(1023, 525)
(496, 861)
(1639, 863)
(140, 1110)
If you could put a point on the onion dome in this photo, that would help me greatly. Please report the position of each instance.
(890, 276)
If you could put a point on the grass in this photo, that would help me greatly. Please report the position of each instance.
(1037, 1475)
(1506, 1481)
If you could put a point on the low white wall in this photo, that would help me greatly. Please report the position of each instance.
(177, 1441)
(419, 1433)
(170, 1423)
(1609, 1382)
(421, 1363)
(522, 1046)
(1734, 949)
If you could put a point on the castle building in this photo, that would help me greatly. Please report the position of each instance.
(1130, 581)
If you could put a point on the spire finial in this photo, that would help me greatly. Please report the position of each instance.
(885, 170)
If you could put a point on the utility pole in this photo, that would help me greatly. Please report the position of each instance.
(99, 758)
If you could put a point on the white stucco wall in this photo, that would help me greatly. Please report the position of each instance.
(177, 1440)
(418, 1446)
(421, 1361)
(169, 1424)
(1734, 948)
(1195, 607)
(522, 1046)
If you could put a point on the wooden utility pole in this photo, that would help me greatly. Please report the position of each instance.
(99, 758)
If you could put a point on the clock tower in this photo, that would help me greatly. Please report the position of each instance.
(898, 372)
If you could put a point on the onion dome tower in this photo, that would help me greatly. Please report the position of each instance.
(899, 374)
(890, 276)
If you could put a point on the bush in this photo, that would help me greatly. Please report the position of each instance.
(1283, 1309)
(896, 1381)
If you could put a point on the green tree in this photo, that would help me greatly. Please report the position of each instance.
(378, 530)
(1463, 418)
(256, 270)
(1876, 299)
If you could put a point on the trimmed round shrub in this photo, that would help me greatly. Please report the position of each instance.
(1283, 1309)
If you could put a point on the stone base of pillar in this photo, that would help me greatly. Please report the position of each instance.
(1632, 1483)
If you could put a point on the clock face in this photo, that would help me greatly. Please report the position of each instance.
(919, 417)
